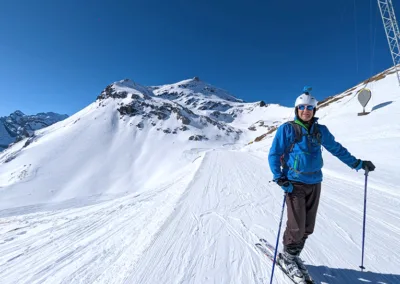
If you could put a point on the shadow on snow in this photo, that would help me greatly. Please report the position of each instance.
(381, 105)
(324, 274)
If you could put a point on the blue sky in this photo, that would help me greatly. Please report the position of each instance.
(59, 55)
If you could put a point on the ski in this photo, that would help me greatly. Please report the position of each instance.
(268, 250)
(265, 251)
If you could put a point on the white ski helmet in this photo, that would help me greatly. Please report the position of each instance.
(306, 99)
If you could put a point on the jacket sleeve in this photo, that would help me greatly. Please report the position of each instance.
(279, 144)
(336, 149)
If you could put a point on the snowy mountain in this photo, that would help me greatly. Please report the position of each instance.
(137, 134)
(170, 184)
(165, 112)
(18, 126)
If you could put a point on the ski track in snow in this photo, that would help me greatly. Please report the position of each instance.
(201, 228)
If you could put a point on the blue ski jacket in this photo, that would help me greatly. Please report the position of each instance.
(302, 161)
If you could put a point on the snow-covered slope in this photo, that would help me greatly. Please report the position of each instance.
(125, 141)
(18, 126)
(98, 199)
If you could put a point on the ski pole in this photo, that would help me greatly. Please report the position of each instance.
(277, 239)
(365, 210)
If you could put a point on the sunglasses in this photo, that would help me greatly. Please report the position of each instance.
(303, 107)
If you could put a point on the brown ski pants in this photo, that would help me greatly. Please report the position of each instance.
(302, 205)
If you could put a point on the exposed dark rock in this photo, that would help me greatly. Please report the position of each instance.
(140, 125)
(216, 114)
(261, 137)
(224, 117)
(205, 120)
(198, 138)
(10, 158)
(136, 97)
(260, 123)
(192, 101)
(184, 119)
(128, 110)
(109, 92)
(168, 108)
(209, 89)
(271, 129)
(160, 115)
(210, 105)
(170, 95)
(29, 141)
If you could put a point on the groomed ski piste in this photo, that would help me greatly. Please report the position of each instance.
(199, 223)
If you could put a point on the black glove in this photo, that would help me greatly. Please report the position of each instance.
(365, 165)
(368, 166)
(285, 184)
(282, 181)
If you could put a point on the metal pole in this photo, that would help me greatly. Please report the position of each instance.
(392, 32)
(277, 239)
(365, 213)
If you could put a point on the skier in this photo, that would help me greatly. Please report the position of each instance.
(295, 159)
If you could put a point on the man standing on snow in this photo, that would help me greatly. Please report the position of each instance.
(295, 159)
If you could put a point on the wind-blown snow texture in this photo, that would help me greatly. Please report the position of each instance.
(160, 185)
(18, 126)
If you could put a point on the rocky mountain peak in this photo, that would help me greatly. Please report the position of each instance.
(125, 88)
(17, 113)
(160, 106)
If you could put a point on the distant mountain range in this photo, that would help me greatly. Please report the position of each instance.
(18, 125)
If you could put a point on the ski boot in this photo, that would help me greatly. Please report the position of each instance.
(288, 264)
(303, 269)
